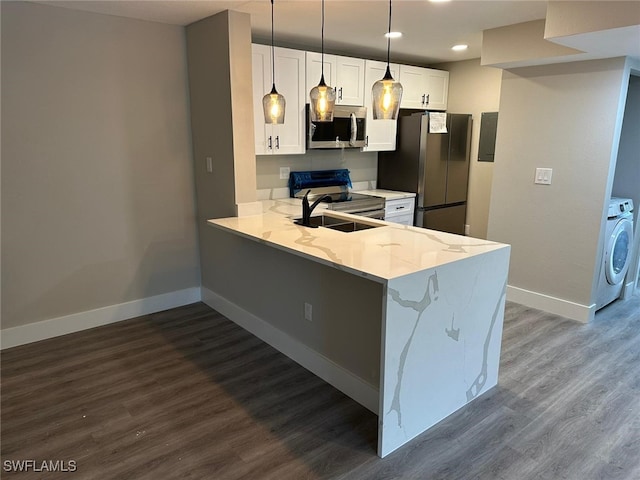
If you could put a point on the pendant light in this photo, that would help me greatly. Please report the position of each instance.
(323, 97)
(386, 93)
(273, 103)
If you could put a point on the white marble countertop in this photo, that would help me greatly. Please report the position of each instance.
(384, 253)
(388, 194)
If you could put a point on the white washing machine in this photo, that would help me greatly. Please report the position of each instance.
(617, 251)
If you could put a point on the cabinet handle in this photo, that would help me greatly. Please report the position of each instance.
(340, 93)
(278, 142)
(366, 141)
(269, 146)
(399, 208)
(427, 102)
(423, 99)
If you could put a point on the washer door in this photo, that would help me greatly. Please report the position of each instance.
(619, 252)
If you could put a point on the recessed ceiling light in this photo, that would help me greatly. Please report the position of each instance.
(439, 1)
(459, 48)
(393, 34)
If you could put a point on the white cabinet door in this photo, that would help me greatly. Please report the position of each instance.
(414, 85)
(287, 138)
(350, 81)
(261, 72)
(437, 89)
(400, 210)
(314, 71)
(424, 88)
(381, 134)
(345, 74)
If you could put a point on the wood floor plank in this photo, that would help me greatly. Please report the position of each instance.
(187, 394)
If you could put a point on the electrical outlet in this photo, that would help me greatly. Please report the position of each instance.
(308, 312)
(543, 176)
(284, 173)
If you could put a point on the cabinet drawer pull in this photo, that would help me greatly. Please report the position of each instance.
(278, 142)
(269, 144)
(340, 93)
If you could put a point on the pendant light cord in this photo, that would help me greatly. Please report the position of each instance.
(322, 40)
(388, 34)
(273, 58)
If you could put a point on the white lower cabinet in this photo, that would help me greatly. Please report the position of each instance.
(400, 210)
(381, 134)
(287, 138)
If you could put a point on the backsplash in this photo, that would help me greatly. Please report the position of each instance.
(363, 167)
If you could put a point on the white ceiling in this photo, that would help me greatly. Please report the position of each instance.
(353, 27)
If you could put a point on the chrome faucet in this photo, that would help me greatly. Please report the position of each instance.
(307, 209)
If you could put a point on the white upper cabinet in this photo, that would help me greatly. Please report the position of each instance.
(437, 89)
(381, 134)
(345, 74)
(424, 88)
(314, 71)
(287, 138)
(350, 81)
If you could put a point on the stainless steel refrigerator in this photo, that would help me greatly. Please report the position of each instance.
(435, 166)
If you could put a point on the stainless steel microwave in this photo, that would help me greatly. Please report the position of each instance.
(348, 129)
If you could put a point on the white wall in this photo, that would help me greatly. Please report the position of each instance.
(565, 117)
(97, 182)
(475, 89)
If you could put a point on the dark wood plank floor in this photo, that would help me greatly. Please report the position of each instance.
(186, 394)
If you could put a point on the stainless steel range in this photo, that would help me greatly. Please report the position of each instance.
(335, 185)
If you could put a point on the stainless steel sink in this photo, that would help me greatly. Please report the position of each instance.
(340, 224)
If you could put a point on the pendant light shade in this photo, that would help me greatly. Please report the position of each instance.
(322, 96)
(323, 99)
(386, 93)
(273, 104)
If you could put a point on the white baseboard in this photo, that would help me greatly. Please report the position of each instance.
(332, 373)
(557, 306)
(54, 327)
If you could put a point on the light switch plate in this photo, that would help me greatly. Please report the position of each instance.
(543, 176)
(284, 173)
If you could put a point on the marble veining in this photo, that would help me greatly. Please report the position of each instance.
(452, 332)
(383, 253)
(306, 240)
(478, 384)
(442, 339)
(419, 307)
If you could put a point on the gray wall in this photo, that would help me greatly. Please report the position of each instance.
(274, 285)
(565, 117)
(97, 179)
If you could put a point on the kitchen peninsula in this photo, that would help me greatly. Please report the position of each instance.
(406, 321)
